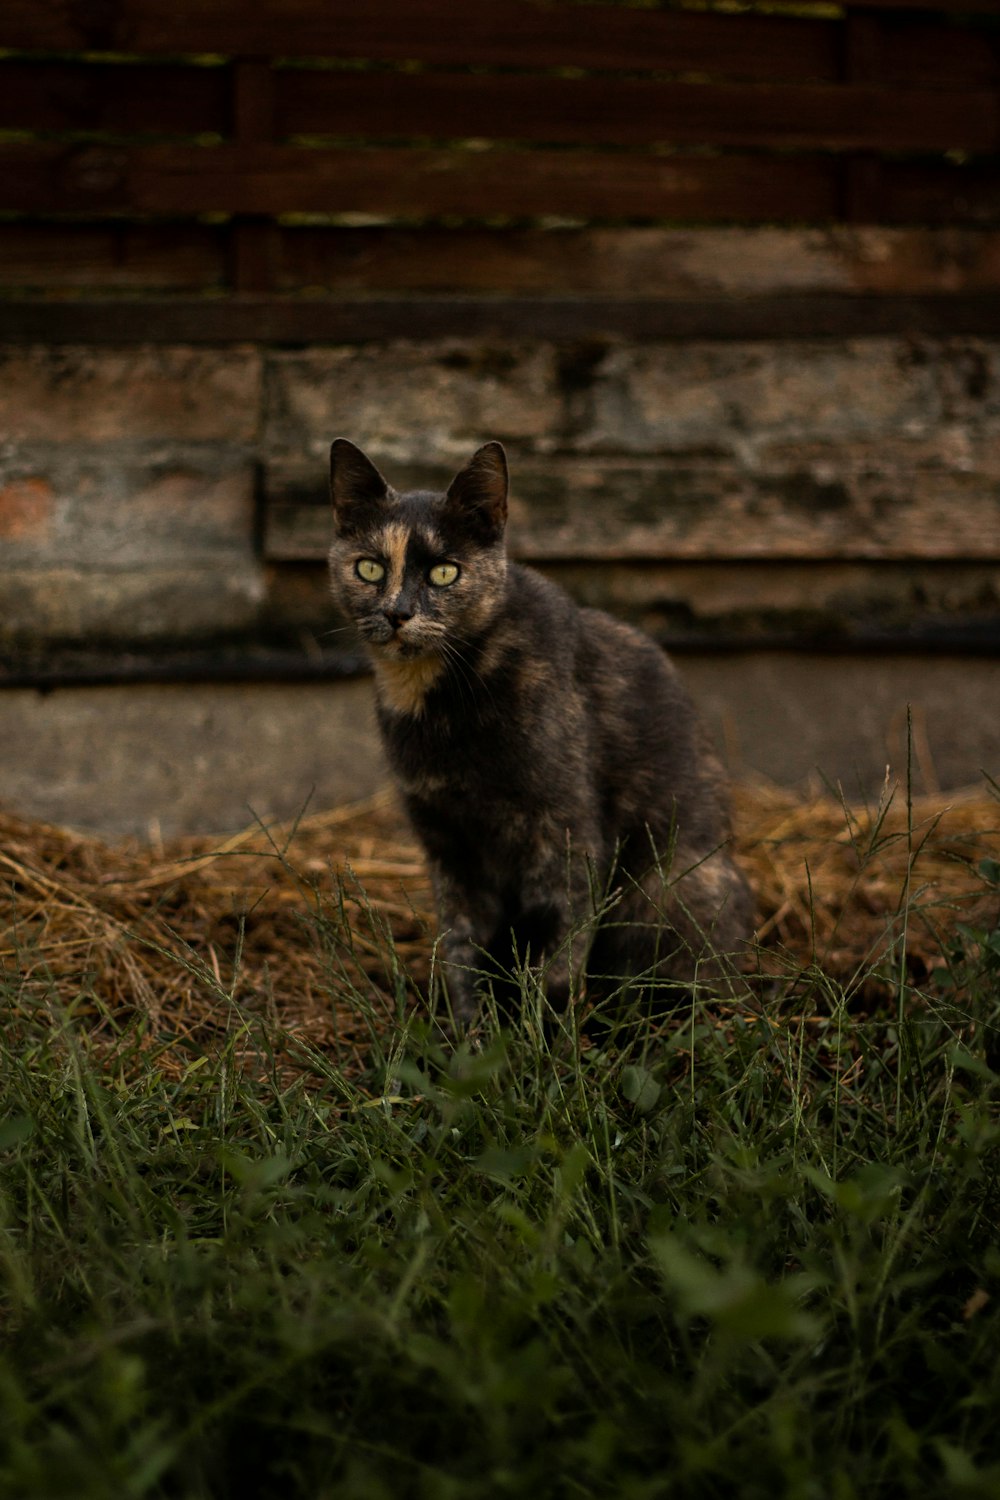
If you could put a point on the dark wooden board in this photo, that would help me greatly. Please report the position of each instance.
(123, 98)
(946, 7)
(47, 178)
(591, 111)
(491, 33)
(652, 262)
(913, 48)
(672, 264)
(924, 51)
(98, 179)
(121, 257)
(218, 320)
(254, 239)
(177, 101)
(936, 193)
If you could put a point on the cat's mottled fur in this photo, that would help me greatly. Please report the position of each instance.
(550, 759)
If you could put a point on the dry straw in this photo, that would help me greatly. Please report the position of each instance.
(191, 938)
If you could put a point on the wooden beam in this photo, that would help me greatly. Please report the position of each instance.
(112, 257)
(45, 178)
(123, 98)
(947, 7)
(508, 33)
(921, 47)
(253, 238)
(92, 180)
(312, 321)
(858, 115)
(863, 113)
(207, 320)
(864, 58)
(672, 264)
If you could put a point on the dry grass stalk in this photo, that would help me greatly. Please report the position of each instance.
(191, 935)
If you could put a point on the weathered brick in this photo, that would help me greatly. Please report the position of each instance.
(731, 398)
(113, 511)
(26, 510)
(818, 501)
(412, 401)
(92, 395)
(183, 513)
(128, 605)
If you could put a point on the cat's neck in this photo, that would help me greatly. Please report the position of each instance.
(402, 684)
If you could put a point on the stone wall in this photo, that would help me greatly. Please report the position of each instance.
(173, 494)
(128, 493)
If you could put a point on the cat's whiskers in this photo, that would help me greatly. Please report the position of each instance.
(455, 642)
(324, 635)
(449, 642)
(462, 676)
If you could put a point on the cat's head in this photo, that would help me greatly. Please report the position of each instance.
(418, 572)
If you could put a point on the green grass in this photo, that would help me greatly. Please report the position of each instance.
(751, 1257)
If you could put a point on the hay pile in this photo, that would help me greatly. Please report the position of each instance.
(187, 937)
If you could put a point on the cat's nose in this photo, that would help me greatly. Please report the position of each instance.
(398, 616)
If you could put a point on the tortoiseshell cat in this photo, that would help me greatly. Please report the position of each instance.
(549, 756)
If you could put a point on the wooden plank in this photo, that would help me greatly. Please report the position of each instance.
(560, 319)
(493, 33)
(253, 240)
(112, 257)
(864, 55)
(39, 178)
(664, 263)
(864, 49)
(63, 96)
(117, 97)
(922, 193)
(947, 7)
(509, 33)
(667, 264)
(682, 510)
(921, 51)
(854, 116)
(604, 263)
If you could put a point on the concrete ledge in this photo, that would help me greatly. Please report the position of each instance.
(185, 759)
(797, 718)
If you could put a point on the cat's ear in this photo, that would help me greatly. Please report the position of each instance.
(356, 486)
(479, 491)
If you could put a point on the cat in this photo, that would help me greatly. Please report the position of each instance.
(550, 760)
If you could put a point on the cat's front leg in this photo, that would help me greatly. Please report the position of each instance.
(557, 903)
(466, 923)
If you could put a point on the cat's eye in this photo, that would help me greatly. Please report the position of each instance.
(442, 574)
(368, 569)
